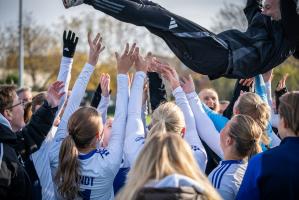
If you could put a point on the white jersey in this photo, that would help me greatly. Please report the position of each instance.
(227, 177)
(40, 158)
(99, 167)
(135, 134)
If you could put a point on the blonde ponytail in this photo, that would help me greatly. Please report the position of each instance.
(252, 105)
(169, 118)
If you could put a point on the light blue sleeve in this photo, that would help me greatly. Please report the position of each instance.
(218, 120)
(261, 90)
(249, 188)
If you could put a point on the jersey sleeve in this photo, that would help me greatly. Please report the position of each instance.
(73, 104)
(116, 142)
(103, 107)
(205, 127)
(64, 75)
(135, 135)
(218, 120)
(191, 135)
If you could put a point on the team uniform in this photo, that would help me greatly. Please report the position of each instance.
(120, 178)
(135, 135)
(100, 166)
(40, 158)
(227, 177)
(232, 53)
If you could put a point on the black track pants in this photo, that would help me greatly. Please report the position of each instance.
(196, 47)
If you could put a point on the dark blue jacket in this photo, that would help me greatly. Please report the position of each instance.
(273, 174)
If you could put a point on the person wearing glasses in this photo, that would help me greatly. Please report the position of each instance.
(18, 142)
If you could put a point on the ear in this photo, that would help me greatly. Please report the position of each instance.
(8, 115)
(284, 124)
(229, 141)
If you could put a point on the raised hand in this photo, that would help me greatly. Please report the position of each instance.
(282, 83)
(126, 60)
(70, 42)
(170, 75)
(140, 62)
(105, 84)
(53, 94)
(247, 82)
(95, 48)
(187, 84)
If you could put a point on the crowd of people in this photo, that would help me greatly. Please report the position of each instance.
(195, 147)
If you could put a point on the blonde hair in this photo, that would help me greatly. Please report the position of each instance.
(161, 156)
(252, 105)
(83, 126)
(247, 134)
(168, 117)
(289, 111)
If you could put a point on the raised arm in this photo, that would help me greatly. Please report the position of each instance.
(105, 96)
(191, 135)
(135, 134)
(77, 95)
(70, 42)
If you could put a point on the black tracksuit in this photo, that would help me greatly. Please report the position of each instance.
(232, 53)
(15, 149)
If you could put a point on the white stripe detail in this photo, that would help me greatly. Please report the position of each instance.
(200, 35)
(114, 4)
(108, 7)
(1, 153)
(172, 24)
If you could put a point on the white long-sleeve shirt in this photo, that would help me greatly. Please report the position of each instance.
(135, 130)
(205, 127)
(191, 135)
(41, 157)
(103, 107)
(98, 167)
(135, 136)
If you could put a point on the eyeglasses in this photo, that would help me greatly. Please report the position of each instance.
(21, 102)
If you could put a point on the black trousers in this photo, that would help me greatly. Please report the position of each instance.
(199, 49)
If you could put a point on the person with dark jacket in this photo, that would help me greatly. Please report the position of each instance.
(16, 147)
(290, 22)
(273, 174)
(232, 53)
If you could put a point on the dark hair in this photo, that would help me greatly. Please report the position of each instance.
(7, 95)
(289, 111)
(38, 100)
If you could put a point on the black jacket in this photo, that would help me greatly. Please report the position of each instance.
(260, 48)
(15, 149)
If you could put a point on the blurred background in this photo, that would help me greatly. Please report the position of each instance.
(44, 21)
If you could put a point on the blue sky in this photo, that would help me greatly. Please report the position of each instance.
(48, 12)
